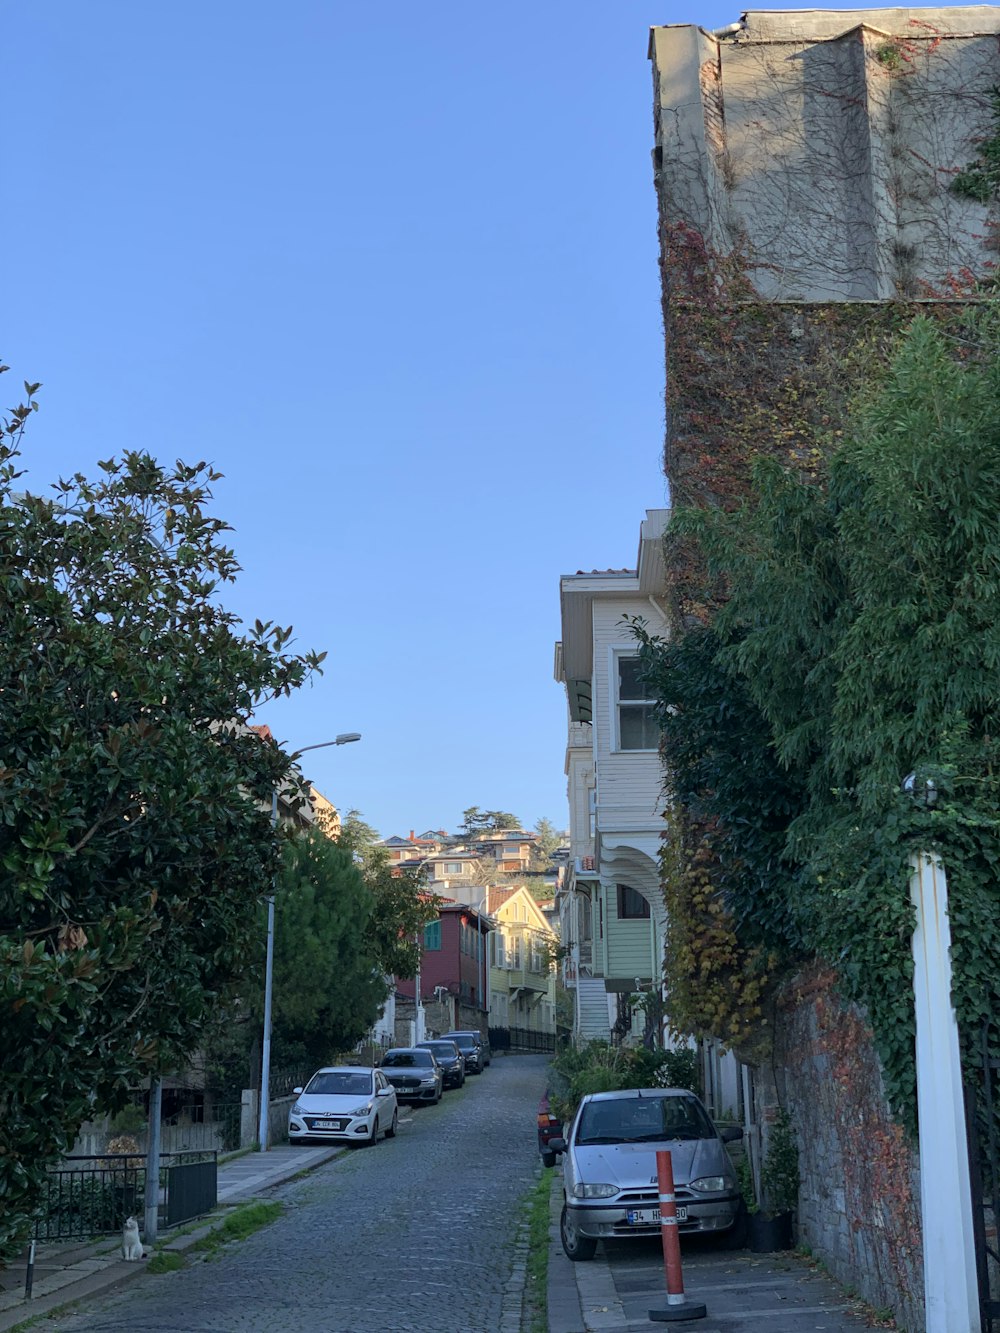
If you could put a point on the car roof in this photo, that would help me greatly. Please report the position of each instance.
(401, 1050)
(435, 1041)
(463, 1032)
(627, 1094)
(342, 1069)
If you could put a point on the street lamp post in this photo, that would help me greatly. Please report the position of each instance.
(263, 1130)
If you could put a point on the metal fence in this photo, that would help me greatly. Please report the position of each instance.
(522, 1039)
(220, 1119)
(284, 1081)
(92, 1196)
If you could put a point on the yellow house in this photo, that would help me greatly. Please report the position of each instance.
(522, 972)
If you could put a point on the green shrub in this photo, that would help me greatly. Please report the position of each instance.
(601, 1067)
(780, 1172)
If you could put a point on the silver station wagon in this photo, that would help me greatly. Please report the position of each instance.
(609, 1168)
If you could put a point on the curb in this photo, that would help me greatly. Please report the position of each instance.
(101, 1281)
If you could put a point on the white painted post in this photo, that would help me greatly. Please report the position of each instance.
(951, 1297)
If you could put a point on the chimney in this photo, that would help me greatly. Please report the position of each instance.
(413, 836)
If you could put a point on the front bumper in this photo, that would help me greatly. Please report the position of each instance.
(416, 1094)
(609, 1221)
(302, 1129)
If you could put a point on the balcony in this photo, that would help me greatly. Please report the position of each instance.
(523, 978)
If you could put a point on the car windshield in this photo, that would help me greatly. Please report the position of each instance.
(643, 1120)
(464, 1043)
(340, 1083)
(407, 1059)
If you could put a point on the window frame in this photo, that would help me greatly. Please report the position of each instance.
(620, 891)
(620, 653)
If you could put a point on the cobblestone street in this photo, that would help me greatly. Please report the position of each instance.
(414, 1235)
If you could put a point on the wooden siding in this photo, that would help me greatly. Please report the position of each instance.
(628, 949)
(630, 782)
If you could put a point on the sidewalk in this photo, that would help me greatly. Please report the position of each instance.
(67, 1271)
(744, 1293)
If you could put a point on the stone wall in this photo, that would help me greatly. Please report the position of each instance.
(859, 1196)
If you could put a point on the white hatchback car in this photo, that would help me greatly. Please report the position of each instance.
(348, 1102)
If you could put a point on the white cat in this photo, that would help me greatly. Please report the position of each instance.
(131, 1244)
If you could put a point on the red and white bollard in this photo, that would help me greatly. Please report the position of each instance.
(678, 1306)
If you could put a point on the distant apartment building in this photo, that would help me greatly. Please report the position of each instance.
(522, 972)
(610, 905)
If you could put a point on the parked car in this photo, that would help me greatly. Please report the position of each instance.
(549, 1128)
(449, 1057)
(346, 1102)
(609, 1174)
(474, 1047)
(414, 1073)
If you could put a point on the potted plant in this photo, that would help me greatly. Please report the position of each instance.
(771, 1222)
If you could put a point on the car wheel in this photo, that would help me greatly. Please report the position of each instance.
(372, 1138)
(576, 1247)
(548, 1157)
(390, 1133)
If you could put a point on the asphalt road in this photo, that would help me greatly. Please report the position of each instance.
(414, 1235)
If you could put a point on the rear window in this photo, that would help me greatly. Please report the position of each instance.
(643, 1120)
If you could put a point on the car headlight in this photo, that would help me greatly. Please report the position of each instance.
(710, 1184)
(298, 1109)
(362, 1110)
(583, 1191)
(429, 1080)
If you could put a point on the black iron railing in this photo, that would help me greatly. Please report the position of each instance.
(92, 1196)
(522, 1039)
(983, 1124)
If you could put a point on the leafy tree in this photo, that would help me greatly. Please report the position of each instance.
(328, 980)
(401, 903)
(476, 821)
(549, 838)
(135, 838)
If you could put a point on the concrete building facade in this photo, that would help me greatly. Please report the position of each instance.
(821, 147)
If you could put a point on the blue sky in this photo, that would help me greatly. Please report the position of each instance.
(393, 269)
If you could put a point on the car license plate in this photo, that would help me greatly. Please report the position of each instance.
(327, 1124)
(647, 1217)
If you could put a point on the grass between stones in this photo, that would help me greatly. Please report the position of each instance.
(241, 1222)
(537, 1264)
(167, 1261)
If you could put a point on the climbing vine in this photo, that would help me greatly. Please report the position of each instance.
(856, 639)
(980, 178)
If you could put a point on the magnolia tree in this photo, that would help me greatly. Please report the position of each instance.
(135, 835)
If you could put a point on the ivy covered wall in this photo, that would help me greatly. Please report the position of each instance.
(835, 474)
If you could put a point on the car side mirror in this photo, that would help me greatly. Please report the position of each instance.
(556, 1145)
(731, 1134)
(383, 1092)
(296, 1091)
